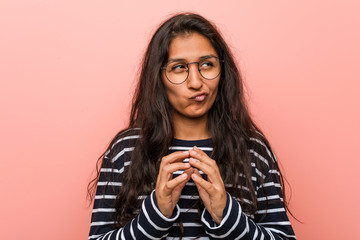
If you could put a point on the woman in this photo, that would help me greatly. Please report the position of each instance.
(192, 163)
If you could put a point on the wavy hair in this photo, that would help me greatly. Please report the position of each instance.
(229, 121)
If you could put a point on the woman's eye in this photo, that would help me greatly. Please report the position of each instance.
(178, 67)
(206, 65)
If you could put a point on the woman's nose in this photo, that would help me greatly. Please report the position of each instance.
(194, 79)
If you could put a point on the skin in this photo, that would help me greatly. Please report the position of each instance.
(190, 115)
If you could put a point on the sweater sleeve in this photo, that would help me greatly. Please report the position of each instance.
(148, 224)
(270, 220)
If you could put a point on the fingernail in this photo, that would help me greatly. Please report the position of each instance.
(184, 175)
(193, 152)
(186, 152)
(187, 164)
(195, 147)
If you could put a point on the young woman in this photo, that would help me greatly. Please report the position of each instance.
(192, 163)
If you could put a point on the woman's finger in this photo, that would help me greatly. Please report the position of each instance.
(173, 183)
(202, 157)
(170, 168)
(165, 173)
(172, 163)
(211, 171)
(199, 181)
(175, 157)
(188, 172)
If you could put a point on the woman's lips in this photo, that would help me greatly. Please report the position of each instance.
(199, 97)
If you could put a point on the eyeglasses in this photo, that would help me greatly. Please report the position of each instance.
(178, 71)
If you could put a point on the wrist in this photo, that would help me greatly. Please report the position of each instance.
(166, 215)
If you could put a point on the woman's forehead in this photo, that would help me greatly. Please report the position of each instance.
(190, 47)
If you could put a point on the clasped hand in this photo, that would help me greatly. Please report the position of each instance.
(211, 191)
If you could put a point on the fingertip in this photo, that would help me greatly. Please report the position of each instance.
(198, 150)
(193, 152)
(194, 162)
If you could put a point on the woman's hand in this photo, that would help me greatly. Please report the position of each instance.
(211, 191)
(168, 189)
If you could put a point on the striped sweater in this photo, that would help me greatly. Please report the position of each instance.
(270, 221)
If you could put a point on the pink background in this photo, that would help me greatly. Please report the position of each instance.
(67, 70)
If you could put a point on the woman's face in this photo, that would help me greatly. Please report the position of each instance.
(193, 98)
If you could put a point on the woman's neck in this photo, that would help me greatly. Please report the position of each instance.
(190, 128)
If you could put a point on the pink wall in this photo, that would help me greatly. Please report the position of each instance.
(67, 71)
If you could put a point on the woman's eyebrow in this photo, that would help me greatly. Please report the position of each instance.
(176, 60)
(207, 56)
(184, 60)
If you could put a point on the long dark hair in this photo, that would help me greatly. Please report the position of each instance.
(229, 121)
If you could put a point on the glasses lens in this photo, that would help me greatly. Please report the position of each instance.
(210, 68)
(177, 72)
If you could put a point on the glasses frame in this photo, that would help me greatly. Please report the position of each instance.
(188, 69)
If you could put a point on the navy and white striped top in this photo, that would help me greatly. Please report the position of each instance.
(269, 222)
